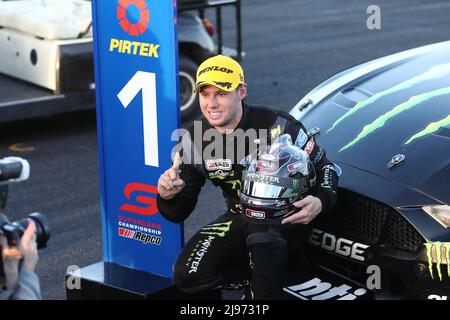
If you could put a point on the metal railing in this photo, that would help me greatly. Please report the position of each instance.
(217, 5)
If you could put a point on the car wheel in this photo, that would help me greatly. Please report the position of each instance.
(188, 100)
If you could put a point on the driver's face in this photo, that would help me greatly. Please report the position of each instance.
(222, 109)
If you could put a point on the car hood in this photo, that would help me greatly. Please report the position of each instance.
(400, 107)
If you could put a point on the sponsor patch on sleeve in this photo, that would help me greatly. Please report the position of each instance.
(302, 137)
(310, 146)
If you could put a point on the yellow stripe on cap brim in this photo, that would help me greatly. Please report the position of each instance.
(211, 83)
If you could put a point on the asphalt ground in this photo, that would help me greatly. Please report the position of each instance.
(290, 45)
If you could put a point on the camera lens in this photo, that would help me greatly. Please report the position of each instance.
(42, 228)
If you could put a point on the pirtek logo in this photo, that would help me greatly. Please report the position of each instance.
(134, 16)
(315, 289)
(214, 68)
(438, 252)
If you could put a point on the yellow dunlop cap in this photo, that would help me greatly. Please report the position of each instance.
(221, 72)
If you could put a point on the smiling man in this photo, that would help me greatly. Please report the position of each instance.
(231, 252)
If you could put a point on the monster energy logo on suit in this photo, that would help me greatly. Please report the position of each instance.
(217, 229)
(198, 256)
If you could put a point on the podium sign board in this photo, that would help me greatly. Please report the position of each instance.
(136, 65)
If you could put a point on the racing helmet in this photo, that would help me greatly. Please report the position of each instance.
(273, 180)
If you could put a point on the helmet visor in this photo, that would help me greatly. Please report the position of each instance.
(272, 187)
(266, 191)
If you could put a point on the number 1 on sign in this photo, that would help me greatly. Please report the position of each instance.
(146, 82)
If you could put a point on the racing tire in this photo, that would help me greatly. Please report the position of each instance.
(188, 100)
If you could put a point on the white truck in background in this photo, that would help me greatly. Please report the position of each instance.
(46, 54)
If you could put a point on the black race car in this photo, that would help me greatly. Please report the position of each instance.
(386, 125)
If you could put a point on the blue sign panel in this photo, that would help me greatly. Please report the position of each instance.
(135, 50)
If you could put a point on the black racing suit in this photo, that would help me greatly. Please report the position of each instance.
(221, 253)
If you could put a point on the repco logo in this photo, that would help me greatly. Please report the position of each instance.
(341, 246)
(148, 207)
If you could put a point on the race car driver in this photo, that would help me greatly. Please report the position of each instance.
(230, 251)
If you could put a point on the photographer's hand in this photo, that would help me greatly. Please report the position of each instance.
(28, 247)
(11, 258)
(21, 284)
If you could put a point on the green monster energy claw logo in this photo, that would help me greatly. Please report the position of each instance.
(431, 128)
(217, 229)
(325, 186)
(235, 185)
(435, 72)
(439, 247)
(381, 120)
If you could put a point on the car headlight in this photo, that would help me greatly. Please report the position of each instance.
(440, 213)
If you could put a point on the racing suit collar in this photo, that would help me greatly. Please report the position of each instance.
(244, 119)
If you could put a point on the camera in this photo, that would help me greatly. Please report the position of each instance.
(13, 231)
(14, 169)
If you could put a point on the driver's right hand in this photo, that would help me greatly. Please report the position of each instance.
(170, 183)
